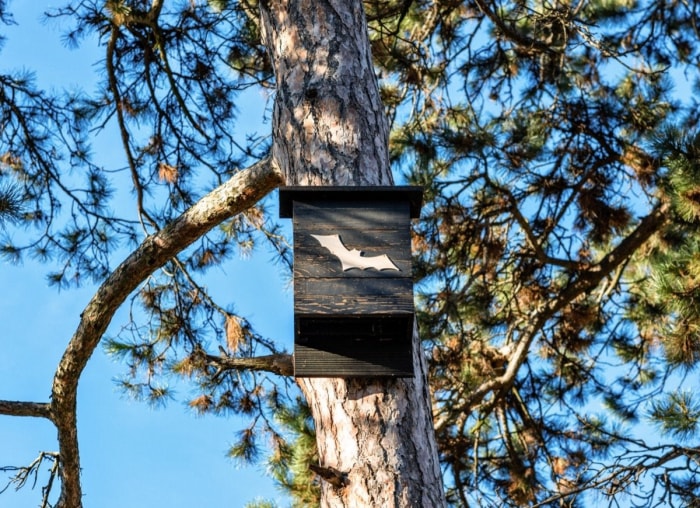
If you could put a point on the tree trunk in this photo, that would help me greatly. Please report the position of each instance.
(329, 126)
(375, 437)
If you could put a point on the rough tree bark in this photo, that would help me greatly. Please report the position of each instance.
(329, 128)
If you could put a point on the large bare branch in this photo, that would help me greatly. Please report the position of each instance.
(239, 193)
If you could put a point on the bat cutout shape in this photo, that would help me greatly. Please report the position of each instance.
(354, 258)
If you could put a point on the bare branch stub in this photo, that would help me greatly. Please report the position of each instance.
(280, 364)
(29, 409)
(336, 478)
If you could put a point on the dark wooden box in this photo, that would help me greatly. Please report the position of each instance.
(353, 288)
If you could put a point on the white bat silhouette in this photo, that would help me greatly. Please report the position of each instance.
(354, 258)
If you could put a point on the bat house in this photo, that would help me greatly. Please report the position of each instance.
(353, 286)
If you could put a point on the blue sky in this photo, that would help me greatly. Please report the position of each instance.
(132, 455)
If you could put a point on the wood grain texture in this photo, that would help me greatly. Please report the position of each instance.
(352, 214)
(352, 321)
(353, 296)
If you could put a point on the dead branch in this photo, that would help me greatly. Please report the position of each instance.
(24, 474)
(336, 478)
(31, 409)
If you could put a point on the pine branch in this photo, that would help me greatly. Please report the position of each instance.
(123, 131)
(31, 409)
(616, 479)
(530, 236)
(526, 44)
(280, 363)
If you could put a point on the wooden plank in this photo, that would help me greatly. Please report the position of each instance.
(314, 329)
(365, 238)
(355, 287)
(325, 215)
(322, 305)
(353, 295)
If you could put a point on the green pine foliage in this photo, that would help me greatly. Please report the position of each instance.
(10, 205)
(669, 304)
(677, 414)
(261, 504)
(290, 458)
